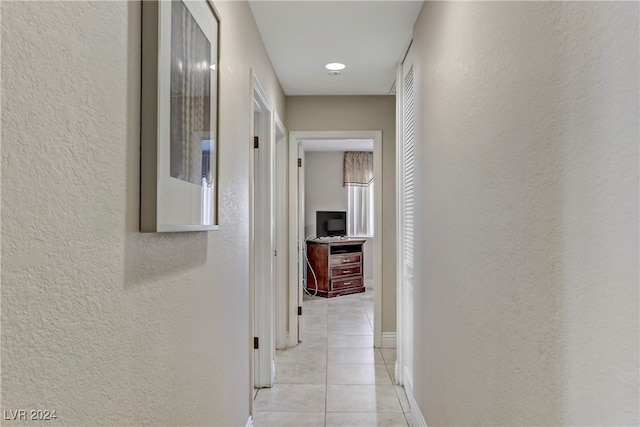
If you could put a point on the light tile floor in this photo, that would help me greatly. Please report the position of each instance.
(334, 377)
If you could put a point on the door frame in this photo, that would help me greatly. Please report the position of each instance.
(295, 272)
(296, 239)
(261, 241)
(281, 234)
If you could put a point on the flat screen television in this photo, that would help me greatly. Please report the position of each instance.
(331, 223)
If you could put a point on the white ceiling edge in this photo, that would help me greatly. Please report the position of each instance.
(337, 144)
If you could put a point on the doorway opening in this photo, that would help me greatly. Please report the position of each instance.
(316, 163)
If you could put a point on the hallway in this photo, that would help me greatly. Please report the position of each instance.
(334, 377)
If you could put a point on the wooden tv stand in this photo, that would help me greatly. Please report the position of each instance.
(338, 264)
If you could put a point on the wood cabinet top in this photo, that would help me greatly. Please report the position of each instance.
(336, 241)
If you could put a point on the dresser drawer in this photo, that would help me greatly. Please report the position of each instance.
(346, 270)
(336, 265)
(346, 283)
(350, 258)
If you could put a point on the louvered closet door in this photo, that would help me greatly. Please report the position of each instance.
(408, 190)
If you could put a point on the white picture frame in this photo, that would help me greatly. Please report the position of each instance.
(179, 116)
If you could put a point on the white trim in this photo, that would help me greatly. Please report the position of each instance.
(396, 372)
(294, 243)
(369, 283)
(249, 422)
(389, 340)
(251, 266)
(273, 369)
(408, 381)
(417, 419)
(169, 228)
(262, 239)
(400, 327)
(295, 283)
(301, 207)
(377, 241)
(283, 312)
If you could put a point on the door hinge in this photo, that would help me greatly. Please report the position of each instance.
(299, 311)
(255, 343)
(275, 253)
(299, 163)
(256, 142)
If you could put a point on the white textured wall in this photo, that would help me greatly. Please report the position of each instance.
(527, 300)
(104, 324)
(320, 113)
(324, 191)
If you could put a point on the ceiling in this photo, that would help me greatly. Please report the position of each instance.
(337, 144)
(369, 37)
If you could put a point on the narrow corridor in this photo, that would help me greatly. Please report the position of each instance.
(334, 377)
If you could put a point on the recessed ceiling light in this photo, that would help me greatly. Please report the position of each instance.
(335, 66)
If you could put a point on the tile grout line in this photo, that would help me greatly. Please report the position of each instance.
(384, 361)
(326, 373)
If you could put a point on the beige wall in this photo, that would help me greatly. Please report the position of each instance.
(527, 309)
(104, 324)
(324, 191)
(351, 113)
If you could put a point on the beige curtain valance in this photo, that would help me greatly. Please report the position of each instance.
(358, 168)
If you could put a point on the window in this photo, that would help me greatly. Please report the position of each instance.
(358, 178)
(360, 210)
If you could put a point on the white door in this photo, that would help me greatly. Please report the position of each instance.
(406, 180)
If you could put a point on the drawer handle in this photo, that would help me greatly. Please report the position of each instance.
(345, 261)
(346, 283)
(347, 271)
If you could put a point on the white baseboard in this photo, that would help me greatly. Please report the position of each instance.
(396, 373)
(389, 339)
(291, 340)
(417, 419)
(249, 422)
